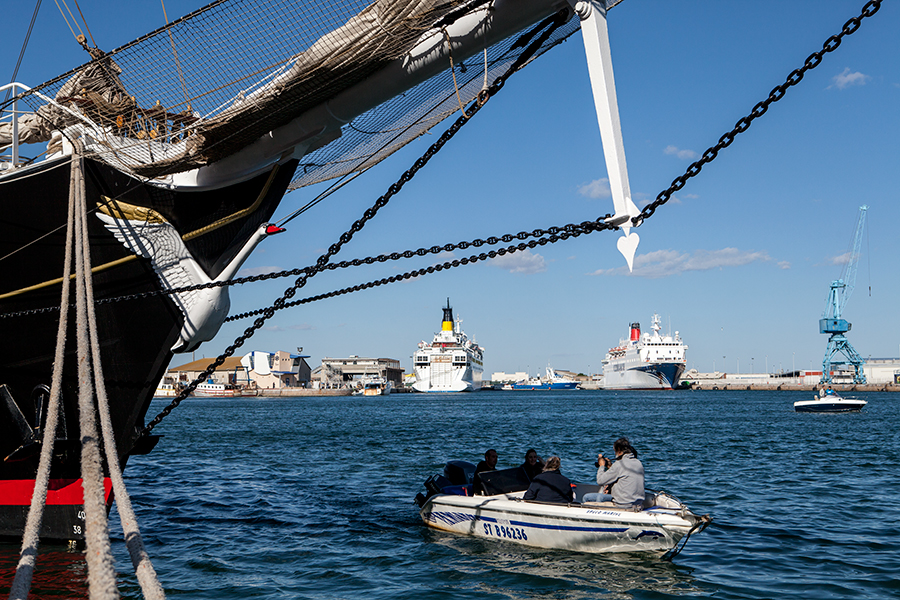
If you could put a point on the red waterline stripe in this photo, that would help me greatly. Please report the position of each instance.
(18, 492)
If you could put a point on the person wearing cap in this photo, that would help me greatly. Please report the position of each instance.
(626, 476)
(551, 485)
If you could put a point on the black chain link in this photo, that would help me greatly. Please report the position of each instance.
(777, 93)
(548, 26)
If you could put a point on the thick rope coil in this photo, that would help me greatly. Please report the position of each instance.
(21, 585)
(100, 562)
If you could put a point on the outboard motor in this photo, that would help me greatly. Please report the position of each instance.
(457, 479)
(459, 472)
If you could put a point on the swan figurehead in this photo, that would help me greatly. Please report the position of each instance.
(151, 236)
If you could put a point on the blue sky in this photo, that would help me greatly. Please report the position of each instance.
(739, 262)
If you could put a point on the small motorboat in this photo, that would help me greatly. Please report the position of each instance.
(502, 513)
(374, 385)
(829, 401)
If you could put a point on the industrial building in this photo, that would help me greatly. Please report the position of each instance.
(343, 371)
(501, 377)
(882, 370)
(264, 370)
(230, 372)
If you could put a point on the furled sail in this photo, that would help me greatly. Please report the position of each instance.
(97, 82)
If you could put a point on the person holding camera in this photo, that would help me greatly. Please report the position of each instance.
(625, 477)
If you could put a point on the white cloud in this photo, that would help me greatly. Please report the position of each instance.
(258, 271)
(682, 154)
(599, 188)
(664, 263)
(673, 199)
(299, 327)
(840, 259)
(784, 265)
(846, 79)
(521, 262)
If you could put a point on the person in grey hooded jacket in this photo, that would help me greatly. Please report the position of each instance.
(626, 476)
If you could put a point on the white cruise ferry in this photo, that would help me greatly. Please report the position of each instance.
(644, 362)
(451, 362)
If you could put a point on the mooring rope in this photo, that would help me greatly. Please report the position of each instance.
(146, 574)
(21, 584)
(101, 570)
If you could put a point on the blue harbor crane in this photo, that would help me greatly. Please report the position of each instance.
(831, 321)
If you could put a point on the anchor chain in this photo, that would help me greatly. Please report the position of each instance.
(777, 93)
(549, 236)
(548, 26)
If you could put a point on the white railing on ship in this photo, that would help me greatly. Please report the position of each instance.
(13, 115)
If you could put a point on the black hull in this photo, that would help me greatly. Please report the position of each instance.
(830, 408)
(135, 335)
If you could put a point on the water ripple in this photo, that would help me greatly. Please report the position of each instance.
(312, 498)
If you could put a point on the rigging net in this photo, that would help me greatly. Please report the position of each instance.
(214, 81)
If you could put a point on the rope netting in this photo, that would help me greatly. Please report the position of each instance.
(378, 133)
(216, 80)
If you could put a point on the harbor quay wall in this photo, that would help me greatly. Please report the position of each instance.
(796, 387)
(297, 391)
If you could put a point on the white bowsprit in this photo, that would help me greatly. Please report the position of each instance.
(596, 44)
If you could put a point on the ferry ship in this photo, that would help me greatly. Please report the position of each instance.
(644, 362)
(451, 362)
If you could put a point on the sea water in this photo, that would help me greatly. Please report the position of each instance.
(313, 498)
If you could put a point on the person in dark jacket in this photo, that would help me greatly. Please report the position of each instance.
(551, 485)
(489, 463)
(533, 466)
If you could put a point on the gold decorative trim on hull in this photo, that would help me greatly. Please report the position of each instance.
(123, 210)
